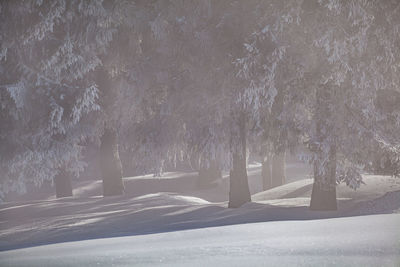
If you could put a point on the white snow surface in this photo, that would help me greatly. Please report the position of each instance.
(173, 199)
(170, 222)
(372, 240)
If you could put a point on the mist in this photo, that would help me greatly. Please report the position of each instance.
(187, 132)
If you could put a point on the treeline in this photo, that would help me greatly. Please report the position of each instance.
(202, 83)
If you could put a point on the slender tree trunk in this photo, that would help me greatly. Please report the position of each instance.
(239, 187)
(63, 184)
(209, 175)
(279, 140)
(323, 196)
(266, 173)
(278, 169)
(110, 164)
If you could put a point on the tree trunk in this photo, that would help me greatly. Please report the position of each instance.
(110, 164)
(278, 169)
(323, 196)
(266, 173)
(239, 192)
(239, 188)
(208, 176)
(63, 184)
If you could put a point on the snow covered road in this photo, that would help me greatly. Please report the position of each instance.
(372, 240)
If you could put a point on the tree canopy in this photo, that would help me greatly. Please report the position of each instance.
(198, 81)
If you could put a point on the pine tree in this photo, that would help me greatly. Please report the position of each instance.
(50, 95)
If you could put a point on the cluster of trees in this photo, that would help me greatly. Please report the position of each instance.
(203, 82)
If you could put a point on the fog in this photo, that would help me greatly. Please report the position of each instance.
(142, 121)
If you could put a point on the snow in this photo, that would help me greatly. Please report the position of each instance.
(175, 199)
(372, 240)
(168, 219)
(190, 96)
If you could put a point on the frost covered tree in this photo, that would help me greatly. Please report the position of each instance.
(190, 44)
(166, 81)
(334, 57)
(357, 59)
(39, 100)
(217, 128)
(51, 66)
(195, 45)
(268, 71)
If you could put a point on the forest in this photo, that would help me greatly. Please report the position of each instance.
(103, 91)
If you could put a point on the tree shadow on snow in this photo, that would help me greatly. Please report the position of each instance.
(72, 219)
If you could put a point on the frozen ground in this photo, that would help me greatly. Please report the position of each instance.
(372, 240)
(189, 226)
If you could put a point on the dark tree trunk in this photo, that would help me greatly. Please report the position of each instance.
(209, 176)
(110, 164)
(239, 187)
(266, 173)
(278, 169)
(63, 184)
(323, 196)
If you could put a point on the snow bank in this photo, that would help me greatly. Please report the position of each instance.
(355, 241)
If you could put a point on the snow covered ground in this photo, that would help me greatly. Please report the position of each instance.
(372, 240)
(168, 221)
(177, 182)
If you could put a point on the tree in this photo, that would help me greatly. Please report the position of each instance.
(50, 81)
(45, 98)
(165, 81)
(348, 125)
(205, 40)
(333, 79)
(268, 71)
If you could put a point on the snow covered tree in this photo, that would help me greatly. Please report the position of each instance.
(213, 34)
(358, 35)
(197, 42)
(178, 80)
(328, 73)
(49, 65)
(268, 71)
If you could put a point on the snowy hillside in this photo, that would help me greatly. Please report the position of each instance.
(286, 225)
(353, 241)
